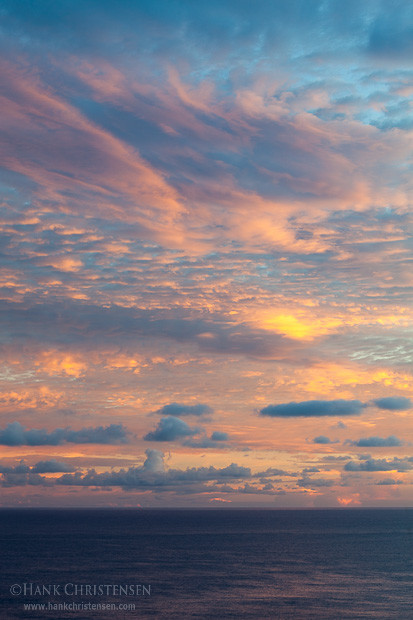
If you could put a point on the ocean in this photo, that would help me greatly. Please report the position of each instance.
(176, 564)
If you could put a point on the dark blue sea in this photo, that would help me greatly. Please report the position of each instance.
(299, 564)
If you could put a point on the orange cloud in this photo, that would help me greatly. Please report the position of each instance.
(58, 363)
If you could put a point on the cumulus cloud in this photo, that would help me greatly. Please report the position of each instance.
(28, 479)
(170, 429)
(149, 476)
(42, 467)
(393, 403)
(17, 435)
(154, 462)
(21, 468)
(51, 467)
(314, 408)
(323, 439)
(396, 464)
(177, 409)
(377, 442)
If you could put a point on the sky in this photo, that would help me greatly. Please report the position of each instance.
(206, 253)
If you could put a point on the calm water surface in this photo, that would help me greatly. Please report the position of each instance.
(334, 564)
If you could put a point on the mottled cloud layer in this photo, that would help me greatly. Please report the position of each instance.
(205, 222)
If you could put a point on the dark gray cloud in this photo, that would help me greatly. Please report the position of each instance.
(403, 464)
(177, 409)
(377, 442)
(17, 435)
(219, 436)
(20, 480)
(22, 475)
(393, 403)
(170, 429)
(42, 467)
(51, 467)
(21, 468)
(314, 408)
(323, 439)
(388, 482)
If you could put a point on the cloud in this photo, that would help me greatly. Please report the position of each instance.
(388, 482)
(313, 408)
(309, 483)
(170, 429)
(42, 467)
(17, 435)
(51, 467)
(83, 323)
(154, 462)
(181, 429)
(377, 442)
(170, 193)
(21, 468)
(273, 471)
(323, 439)
(393, 403)
(177, 409)
(232, 471)
(396, 464)
(28, 479)
(153, 475)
